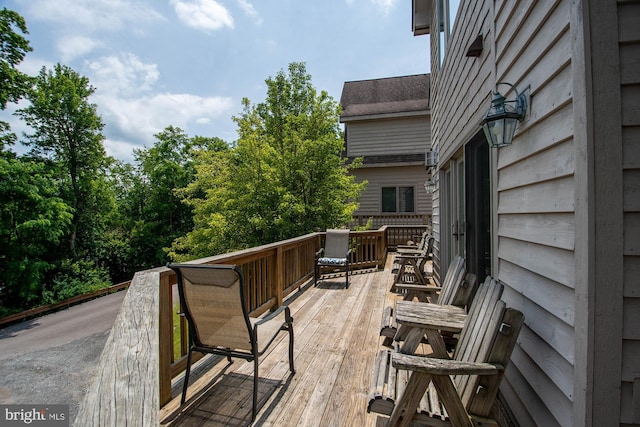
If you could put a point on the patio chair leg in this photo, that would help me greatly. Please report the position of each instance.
(291, 366)
(186, 378)
(254, 410)
(347, 275)
(315, 275)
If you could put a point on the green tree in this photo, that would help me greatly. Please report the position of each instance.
(150, 202)
(13, 83)
(284, 177)
(33, 221)
(68, 133)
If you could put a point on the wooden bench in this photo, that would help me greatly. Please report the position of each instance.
(457, 290)
(411, 267)
(424, 247)
(438, 391)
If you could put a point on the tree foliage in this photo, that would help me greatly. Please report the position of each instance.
(13, 83)
(154, 209)
(33, 221)
(73, 220)
(284, 177)
(13, 48)
(68, 133)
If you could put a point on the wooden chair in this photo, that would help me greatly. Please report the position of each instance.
(213, 299)
(457, 290)
(410, 268)
(335, 255)
(412, 247)
(437, 391)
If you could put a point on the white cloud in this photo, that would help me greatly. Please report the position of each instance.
(204, 15)
(140, 118)
(385, 5)
(124, 75)
(32, 65)
(250, 11)
(133, 110)
(94, 15)
(74, 46)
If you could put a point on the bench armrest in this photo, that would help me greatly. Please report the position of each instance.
(426, 289)
(430, 316)
(433, 366)
(410, 256)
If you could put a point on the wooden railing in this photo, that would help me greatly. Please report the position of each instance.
(378, 221)
(272, 272)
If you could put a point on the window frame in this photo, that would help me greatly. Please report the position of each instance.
(398, 199)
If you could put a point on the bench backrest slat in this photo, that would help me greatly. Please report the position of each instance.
(489, 335)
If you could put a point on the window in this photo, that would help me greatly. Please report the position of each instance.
(446, 11)
(398, 199)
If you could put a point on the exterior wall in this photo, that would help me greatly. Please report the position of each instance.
(566, 199)
(409, 135)
(378, 177)
(628, 37)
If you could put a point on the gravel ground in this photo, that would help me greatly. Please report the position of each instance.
(58, 375)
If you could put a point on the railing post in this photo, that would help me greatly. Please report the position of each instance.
(279, 282)
(125, 388)
(382, 246)
(165, 333)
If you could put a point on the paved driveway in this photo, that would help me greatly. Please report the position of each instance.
(52, 359)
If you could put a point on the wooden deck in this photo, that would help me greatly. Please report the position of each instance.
(336, 341)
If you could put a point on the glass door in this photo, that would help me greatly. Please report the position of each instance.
(453, 212)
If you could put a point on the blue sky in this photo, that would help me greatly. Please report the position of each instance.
(189, 63)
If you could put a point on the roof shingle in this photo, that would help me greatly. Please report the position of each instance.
(385, 96)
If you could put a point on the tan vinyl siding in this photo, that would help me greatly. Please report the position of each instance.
(629, 39)
(398, 176)
(527, 44)
(389, 136)
(535, 185)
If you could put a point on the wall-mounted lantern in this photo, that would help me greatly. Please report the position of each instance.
(430, 185)
(431, 182)
(499, 124)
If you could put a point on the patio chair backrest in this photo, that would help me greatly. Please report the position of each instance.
(213, 300)
(336, 243)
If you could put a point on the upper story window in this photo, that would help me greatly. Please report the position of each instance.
(398, 199)
(446, 11)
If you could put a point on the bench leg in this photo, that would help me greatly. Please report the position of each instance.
(451, 400)
(406, 407)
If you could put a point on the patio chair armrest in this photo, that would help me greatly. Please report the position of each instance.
(319, 253)
(274, 314)
(434, 366)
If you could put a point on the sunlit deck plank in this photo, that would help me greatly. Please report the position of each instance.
(336, 339)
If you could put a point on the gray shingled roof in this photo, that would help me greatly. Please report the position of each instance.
(385, 96)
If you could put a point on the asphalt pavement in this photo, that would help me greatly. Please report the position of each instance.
(52, 359)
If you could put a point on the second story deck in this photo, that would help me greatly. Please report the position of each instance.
(336, 340)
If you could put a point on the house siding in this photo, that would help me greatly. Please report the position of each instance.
(628, 14)
(528, 44)
(384, 136)
(398, 176)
